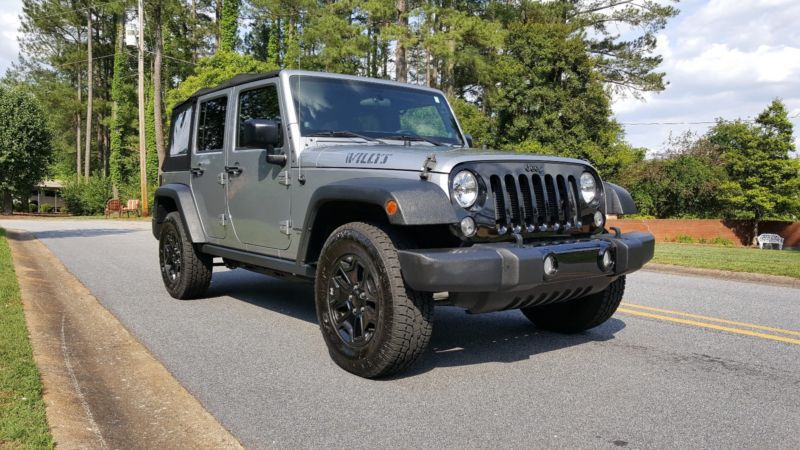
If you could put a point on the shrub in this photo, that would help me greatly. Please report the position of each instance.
(33, 207)
(684, 239)
(719, 240)
(87, 198)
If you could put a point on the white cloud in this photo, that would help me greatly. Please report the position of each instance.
(723, 58)
(9, 26)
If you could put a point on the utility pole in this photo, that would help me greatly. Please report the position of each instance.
(142, 137)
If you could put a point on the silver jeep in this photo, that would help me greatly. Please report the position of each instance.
(369, 189)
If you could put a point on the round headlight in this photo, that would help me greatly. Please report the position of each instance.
(465, 188)
(588, 187)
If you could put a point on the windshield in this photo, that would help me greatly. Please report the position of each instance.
(336, 107)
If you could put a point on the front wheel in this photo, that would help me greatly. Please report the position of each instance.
(580, 314)
(372, 322)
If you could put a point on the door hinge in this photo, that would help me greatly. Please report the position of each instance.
(284, 178)
(222, 219)
(222, 178)
(286, 227)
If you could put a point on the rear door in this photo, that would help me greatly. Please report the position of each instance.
(208, 163)
(258, 195)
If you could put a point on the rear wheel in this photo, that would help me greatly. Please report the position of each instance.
(186, 272)
(372, 323)
(579, 314)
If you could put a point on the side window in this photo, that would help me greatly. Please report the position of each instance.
(211, 124)
(181, 127)
(259, 103)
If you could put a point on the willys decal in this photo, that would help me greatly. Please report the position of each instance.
(367, 158)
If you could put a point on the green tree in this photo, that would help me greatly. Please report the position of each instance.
(213, 70)
(25, 144)
(228, 25)
(764, 180)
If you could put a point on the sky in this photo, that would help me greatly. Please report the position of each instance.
(723, 58)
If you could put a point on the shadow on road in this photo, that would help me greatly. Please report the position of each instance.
(459, 339)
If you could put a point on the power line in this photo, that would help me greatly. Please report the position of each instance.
(704, 122)
(81, 61)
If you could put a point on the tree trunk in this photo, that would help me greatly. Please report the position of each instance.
(78, 143)
(217, 16)
(157, 63)
(194, 31)
(400, 64)
(755, 230)
(8, 203)
(87, 150)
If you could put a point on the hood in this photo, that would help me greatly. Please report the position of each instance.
(399, 157)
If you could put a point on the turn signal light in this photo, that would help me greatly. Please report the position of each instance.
(391, 207)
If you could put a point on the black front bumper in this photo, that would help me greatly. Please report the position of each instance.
(492, 277)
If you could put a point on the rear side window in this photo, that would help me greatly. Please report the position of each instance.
(181, 131)
(211, 124)
(259, 103)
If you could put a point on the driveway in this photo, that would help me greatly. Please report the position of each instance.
(691, 361)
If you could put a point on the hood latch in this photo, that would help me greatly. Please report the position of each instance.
(427, 166)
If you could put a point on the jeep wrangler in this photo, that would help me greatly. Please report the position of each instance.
(370, 189)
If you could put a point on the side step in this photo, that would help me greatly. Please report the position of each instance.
(262, 261)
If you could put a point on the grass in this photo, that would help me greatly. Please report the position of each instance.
(23, 423)
(736, 259)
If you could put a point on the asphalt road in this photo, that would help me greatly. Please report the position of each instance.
(693, 362)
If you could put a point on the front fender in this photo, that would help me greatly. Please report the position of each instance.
(418, 202)
(618, 200)
(179, 196)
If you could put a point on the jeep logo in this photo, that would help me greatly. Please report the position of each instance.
(535, 168)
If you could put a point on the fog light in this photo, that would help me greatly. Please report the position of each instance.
(550, 266)
(468, 226)
(606, 261)
(599, 219)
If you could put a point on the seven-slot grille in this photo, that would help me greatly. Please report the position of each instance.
(533, 202)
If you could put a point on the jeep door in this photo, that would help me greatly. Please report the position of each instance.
(258, 195)
(208, 163)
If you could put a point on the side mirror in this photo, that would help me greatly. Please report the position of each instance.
(264, 133)
(468, 137)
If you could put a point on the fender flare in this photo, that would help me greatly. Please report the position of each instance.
(418, 202)
(181, 195)
(618, 200)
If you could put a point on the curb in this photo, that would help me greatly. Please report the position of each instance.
(773, 280)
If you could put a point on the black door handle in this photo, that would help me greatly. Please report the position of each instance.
(197, 171)
(233, 170)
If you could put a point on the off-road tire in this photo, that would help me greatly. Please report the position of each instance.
(404, 316)
(194, 275)
(580, 314)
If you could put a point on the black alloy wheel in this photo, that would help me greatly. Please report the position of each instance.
(170, 254)
(353, 300)
(185, 270)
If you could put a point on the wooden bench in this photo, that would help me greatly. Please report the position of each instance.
(113, 206)
(769, 239)
(131, 206)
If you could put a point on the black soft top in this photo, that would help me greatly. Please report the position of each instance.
(242, 78)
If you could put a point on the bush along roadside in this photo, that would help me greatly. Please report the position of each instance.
(23, 423)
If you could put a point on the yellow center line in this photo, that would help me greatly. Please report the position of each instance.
(712, 319)
(711, 326)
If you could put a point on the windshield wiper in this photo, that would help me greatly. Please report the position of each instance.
(413, 137)
(342, 133)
